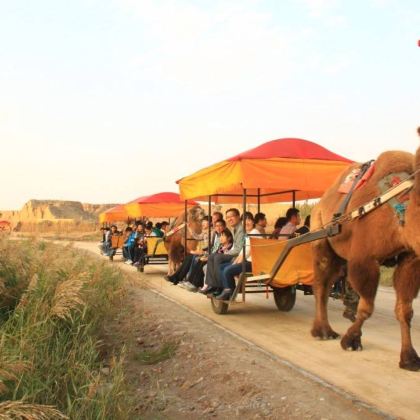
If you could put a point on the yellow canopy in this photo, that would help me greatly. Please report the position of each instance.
(283, 165)
(114, 214)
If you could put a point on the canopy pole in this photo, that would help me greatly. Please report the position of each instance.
(209, 232)
(258, 201)
(294, 198)
(244, 227)
(186, 228)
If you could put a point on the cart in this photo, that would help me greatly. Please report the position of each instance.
(283, 170)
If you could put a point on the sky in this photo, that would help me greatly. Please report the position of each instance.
(103, 101)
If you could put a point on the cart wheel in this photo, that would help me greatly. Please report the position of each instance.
(285, 297)
(220, 307)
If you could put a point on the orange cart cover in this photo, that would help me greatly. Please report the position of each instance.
(297, 268)
(276, 166)
(164, 204)
(114, 214)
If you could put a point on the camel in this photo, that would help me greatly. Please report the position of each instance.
(174, 243)
(366, 243)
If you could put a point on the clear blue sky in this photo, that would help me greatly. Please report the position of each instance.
(103, 101)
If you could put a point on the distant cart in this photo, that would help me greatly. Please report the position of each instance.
(159, 205)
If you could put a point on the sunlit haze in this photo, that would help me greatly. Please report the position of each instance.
(104, 101)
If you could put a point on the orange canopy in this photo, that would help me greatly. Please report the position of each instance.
(114, 214)
(165, 204)
(283, 165)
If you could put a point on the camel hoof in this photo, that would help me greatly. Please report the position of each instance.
(324, 333)
(412, 364)
(352, 343)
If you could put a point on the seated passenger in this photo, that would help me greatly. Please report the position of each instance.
(306, 226)
(140, 247)
(216, 261)
(128, 247)
(149, 229)
(103, 244)
(280, 222)
(216, 216)
(231, 270)
(260, 223)
(293, 219)
(183, 270)
(157, 230)
(195, 276)
(109, 251)
(164, 228)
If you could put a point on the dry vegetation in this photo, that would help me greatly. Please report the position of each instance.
(54, 305)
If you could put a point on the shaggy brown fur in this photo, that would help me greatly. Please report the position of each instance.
(175, 243)
(366, 243)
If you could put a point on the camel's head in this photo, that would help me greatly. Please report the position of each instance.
(194, 218)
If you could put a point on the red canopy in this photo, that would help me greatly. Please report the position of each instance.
(164, 204)
(290, 148)
(163, 197)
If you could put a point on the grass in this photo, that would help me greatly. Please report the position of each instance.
(55, 304)
(62, 236)
(151, 357)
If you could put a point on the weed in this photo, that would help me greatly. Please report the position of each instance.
(151, 357)
(54, 305)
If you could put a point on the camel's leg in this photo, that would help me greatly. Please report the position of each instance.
(326, 269)
(363, 276)
(406, 284)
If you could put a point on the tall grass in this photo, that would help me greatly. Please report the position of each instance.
(55, 304)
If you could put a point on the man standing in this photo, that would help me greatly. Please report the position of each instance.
(217, 261)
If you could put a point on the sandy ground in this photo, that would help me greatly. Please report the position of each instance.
(372, 375)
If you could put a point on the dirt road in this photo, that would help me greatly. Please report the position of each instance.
(371, 375)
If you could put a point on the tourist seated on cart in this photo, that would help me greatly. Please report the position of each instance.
(306, 226)
(148, 230)
(222, 241)
(280, 222)
(260, 223)
(217, 215)
(217, 261)
(164, 228)
(157, 230)
(140, 246)
(128, 246)
(184, 268)
(106, 231)
(293, 220)
(109, 251)
(229, 271)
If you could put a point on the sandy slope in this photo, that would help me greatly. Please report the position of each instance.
(371, 375)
